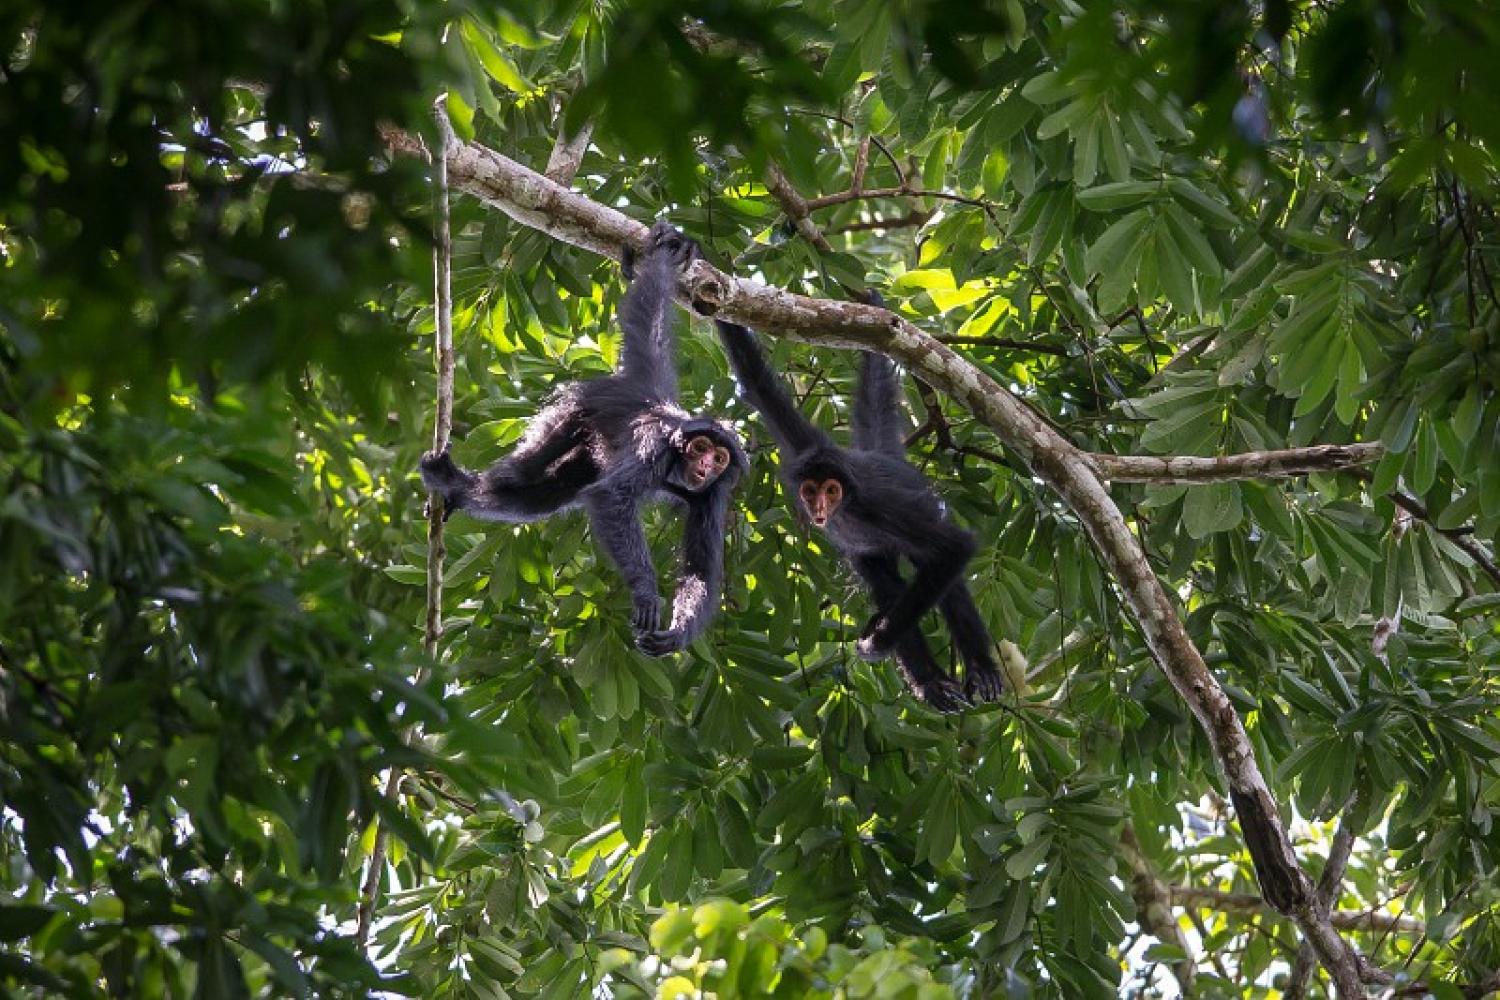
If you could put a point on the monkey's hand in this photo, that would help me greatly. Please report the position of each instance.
(984, 685)
(442, 476)
(664, 239)
(876, 641)
(942, 694)
(645, 615)
(661, 642)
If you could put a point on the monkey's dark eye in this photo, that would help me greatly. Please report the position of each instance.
(721, 457)
(834, 489)
(698, 446)
(808, 492)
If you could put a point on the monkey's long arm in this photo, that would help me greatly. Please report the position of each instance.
(877, 406)
(765, 391)
(697, 597)
(647, 355)
(614, 517)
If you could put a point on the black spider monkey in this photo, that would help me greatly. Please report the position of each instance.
(614, 442)
(877, 508)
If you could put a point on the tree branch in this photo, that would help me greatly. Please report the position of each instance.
(1167, 469)
(795, 206)
(1249, 903)
(534, 201)
(902, 191)
(911, 220)
(1004, 343)
(567, 154)
(1463, 538)
(1153, 907)
(1330, 884)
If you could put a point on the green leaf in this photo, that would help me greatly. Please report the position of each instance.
(677, 864)
(496, 64)
(734, 830)
(1207, 208)
(1211, 508)
(1113, 252)
(1107, 197)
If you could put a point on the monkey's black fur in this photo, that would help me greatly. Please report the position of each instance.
(609, 444)
(888, 512)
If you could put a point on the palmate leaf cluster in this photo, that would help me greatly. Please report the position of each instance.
(1173, 229)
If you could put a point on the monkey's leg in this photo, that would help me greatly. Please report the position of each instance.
(521, 489)
(940, 560)
(982, 678)
(926, 678)
(544, 473)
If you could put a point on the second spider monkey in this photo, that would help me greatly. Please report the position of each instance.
(610, 444)
(877, 510)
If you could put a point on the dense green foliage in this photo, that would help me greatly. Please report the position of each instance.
(1172, 227)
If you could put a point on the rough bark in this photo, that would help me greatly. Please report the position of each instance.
(567, 154)
(534, 201)
(1190, 469)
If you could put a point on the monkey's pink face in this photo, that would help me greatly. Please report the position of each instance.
(703, 461)
(821, 499)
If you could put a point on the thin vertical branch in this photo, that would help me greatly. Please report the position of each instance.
(1330, 885)
(442, 430)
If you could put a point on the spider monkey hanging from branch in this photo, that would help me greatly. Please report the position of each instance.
(877, 509)
(612, 443)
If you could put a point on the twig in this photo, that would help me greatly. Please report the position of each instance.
(1184, 357)
(1249, 903)
(1005, 343)
(911, 220)
(1461, 536)
(442, 271)
(861, 162)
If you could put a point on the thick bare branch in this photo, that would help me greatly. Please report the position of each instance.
(567, 154)
(532, 200)
(1225, 468)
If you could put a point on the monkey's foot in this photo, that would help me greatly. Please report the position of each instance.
(941, 694)
(984, 685)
